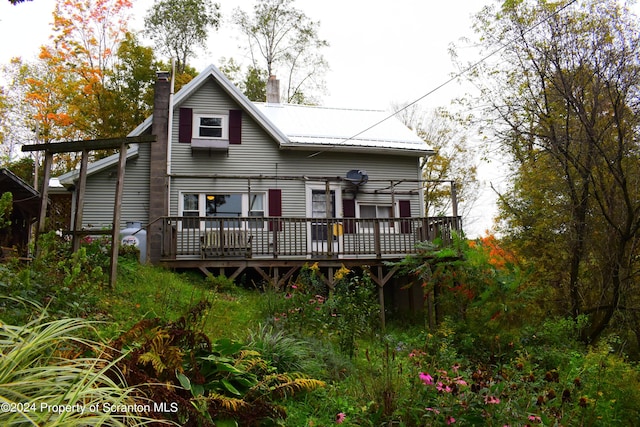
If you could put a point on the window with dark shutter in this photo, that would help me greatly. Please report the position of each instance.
(404, 208)
(185, 125)
(275, 208)
(349, 211)
(235, 126)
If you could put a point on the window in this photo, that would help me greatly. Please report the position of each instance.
(375, 211)
(210, 130)
(210, 126)
(190, 207)
(227, 205)
(256, 210)
(223, 205)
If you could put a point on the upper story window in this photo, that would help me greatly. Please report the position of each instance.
(210, 126)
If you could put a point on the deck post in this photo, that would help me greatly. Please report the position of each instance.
(376, 239)
(380, 284)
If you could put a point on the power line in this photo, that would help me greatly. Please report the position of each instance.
(450, 80)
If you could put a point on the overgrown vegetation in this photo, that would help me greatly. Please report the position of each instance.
(204, 351)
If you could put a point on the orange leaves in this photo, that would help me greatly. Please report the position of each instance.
(498, 256)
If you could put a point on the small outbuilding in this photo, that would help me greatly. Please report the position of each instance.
(26, 205)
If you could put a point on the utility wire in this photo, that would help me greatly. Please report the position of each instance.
(452, 79)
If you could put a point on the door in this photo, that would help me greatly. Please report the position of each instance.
(324, 228)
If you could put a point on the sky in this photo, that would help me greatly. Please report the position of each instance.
(380, 53)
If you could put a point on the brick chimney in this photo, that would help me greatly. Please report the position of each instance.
(158, 179)
(273, 90)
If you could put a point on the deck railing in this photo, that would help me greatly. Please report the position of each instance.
(281, 237)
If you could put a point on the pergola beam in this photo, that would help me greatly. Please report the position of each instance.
(89, 145)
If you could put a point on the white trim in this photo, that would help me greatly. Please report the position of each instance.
(392, 219)
(244, 204)
(310, 186)
(224, 125)
(321, 186)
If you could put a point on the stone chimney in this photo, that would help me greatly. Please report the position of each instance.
(273, 90)
(158, 179)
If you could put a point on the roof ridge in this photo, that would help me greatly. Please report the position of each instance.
(319, 107)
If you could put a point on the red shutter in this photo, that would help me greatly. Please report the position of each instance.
(349, 211)
(185, 125)
(404, 207)
(235, 126)
(275, 208)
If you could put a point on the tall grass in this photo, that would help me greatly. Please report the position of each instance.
(50, 376)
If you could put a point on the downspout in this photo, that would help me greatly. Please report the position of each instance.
(169, 133)
(421, 167)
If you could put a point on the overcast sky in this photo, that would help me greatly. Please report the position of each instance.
(380, 52)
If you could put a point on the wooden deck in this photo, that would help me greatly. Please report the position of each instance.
(277, 247)
(308, 238)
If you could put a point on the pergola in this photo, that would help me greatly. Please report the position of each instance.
(85, 147)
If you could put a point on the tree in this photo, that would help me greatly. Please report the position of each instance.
(252, 83)
(4, 103)
(563, 103)
(130, 89)
(179, 26)
(454, 161)
(92, 81)
(283, 40)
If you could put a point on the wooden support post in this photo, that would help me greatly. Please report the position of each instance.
(77, 220)
(381, 297)
(115, 232)
(454, 199)
(44, 194)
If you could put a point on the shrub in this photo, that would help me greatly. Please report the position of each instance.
(47, 379)
(284, 352)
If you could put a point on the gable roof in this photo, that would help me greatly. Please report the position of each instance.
(295, 126)
(315, 128)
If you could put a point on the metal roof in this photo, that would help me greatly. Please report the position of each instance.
(310, 127)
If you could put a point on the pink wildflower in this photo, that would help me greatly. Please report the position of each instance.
(442, 387)
(535, 418)
(340, 416)
(455, 368)
(288, 295)
(435, 411)
(450, 420)
(460, 381)
(491, 400)
(294, 287)
(426, 378)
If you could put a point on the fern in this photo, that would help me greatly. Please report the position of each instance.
(297, 386)
(154, 359)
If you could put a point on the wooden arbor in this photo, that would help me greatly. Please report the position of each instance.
(85, 147)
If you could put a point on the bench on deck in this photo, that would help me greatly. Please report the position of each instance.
(226, 243)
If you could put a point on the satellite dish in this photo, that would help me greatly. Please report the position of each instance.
(357, 177)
